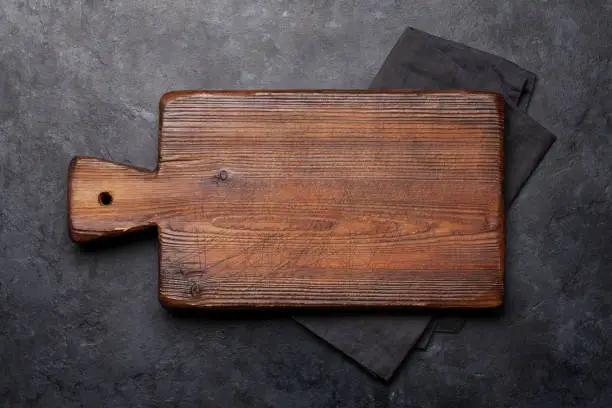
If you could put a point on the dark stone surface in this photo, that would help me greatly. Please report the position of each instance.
(84, 327)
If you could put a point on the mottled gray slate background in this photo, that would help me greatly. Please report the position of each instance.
(84, 77)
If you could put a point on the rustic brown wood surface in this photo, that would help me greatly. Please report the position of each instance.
(325, 199)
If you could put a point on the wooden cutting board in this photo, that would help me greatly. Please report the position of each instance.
(313, 199)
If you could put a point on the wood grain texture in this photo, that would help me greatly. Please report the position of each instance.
(323, 199)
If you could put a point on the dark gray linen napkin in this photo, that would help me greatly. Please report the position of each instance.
(381, 341)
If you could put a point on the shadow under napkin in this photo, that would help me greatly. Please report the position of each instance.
(381, 341)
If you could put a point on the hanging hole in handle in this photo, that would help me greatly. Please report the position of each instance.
(105, 198)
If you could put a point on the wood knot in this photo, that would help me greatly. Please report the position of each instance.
(195, 289)
(221, 176)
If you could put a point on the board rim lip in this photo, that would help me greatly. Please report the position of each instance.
(174, 95)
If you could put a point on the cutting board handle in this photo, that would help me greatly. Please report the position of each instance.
(107, 199)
